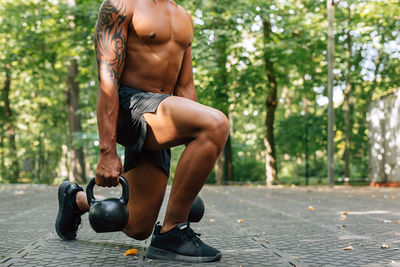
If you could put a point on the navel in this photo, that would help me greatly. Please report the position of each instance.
(152, 35)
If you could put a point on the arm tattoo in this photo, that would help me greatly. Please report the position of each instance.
(110, 40)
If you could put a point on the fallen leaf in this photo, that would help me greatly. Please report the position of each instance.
(296, 259)
(132, 251)
(20, 192)
(240, 221)
(385, 246)
(342, 227)
(398, 221)
(342, 217)
(310, 208)
(394, 197)
(345, 212)
(349, 247)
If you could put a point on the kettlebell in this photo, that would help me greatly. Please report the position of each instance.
(108, 215)
(197, 210)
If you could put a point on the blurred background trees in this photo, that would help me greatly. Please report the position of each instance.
(263, 63)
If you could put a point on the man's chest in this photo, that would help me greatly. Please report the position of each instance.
(161, 23)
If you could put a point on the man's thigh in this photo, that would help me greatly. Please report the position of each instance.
(177, 121)
(147, 184)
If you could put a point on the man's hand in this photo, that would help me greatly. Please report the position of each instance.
(108, 170)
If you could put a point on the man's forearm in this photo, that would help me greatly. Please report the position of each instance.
(107, 115)
(188, 92)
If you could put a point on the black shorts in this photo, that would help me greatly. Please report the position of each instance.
(132, 127)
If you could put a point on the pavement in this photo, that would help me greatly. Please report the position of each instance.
(252, 226)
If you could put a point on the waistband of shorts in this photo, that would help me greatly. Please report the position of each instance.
(137, 90)
(122, 86)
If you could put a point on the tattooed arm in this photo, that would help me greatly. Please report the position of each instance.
(110, 45)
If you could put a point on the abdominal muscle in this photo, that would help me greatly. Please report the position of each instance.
(152, 68)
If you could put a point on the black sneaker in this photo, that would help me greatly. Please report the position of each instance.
(180, 243)
(68, 217)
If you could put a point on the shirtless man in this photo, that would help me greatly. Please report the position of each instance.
(147, 103)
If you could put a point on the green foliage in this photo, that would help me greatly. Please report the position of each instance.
(249, 169)
(39, 38)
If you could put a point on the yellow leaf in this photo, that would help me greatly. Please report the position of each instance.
(345, 212)
(385, 246)
(310, 208)
(132, 251)
(349, 247)
(240, 221)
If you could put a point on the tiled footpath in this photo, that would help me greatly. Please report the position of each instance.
(252, 226)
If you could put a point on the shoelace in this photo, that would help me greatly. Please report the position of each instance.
(192, 235)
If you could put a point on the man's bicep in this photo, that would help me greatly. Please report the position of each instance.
(110, 39)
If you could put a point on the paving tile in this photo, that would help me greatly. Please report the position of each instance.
(252, 226)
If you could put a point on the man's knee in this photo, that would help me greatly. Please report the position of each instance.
(220, 125)
(217, 129)
(137, 232)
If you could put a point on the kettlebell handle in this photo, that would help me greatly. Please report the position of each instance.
(92, 182)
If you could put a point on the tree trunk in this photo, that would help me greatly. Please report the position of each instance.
(346, 102)
(2, 166)
(64, 170)
(331, 112)
(77, 164)
(224, 166)
(228, 161)
(306, 137)
(271, 104)
(12, 153)
(220, 169)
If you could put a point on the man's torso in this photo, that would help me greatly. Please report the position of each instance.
(158, 35)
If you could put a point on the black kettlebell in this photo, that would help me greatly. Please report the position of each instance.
(108, 215)
(196, 211)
